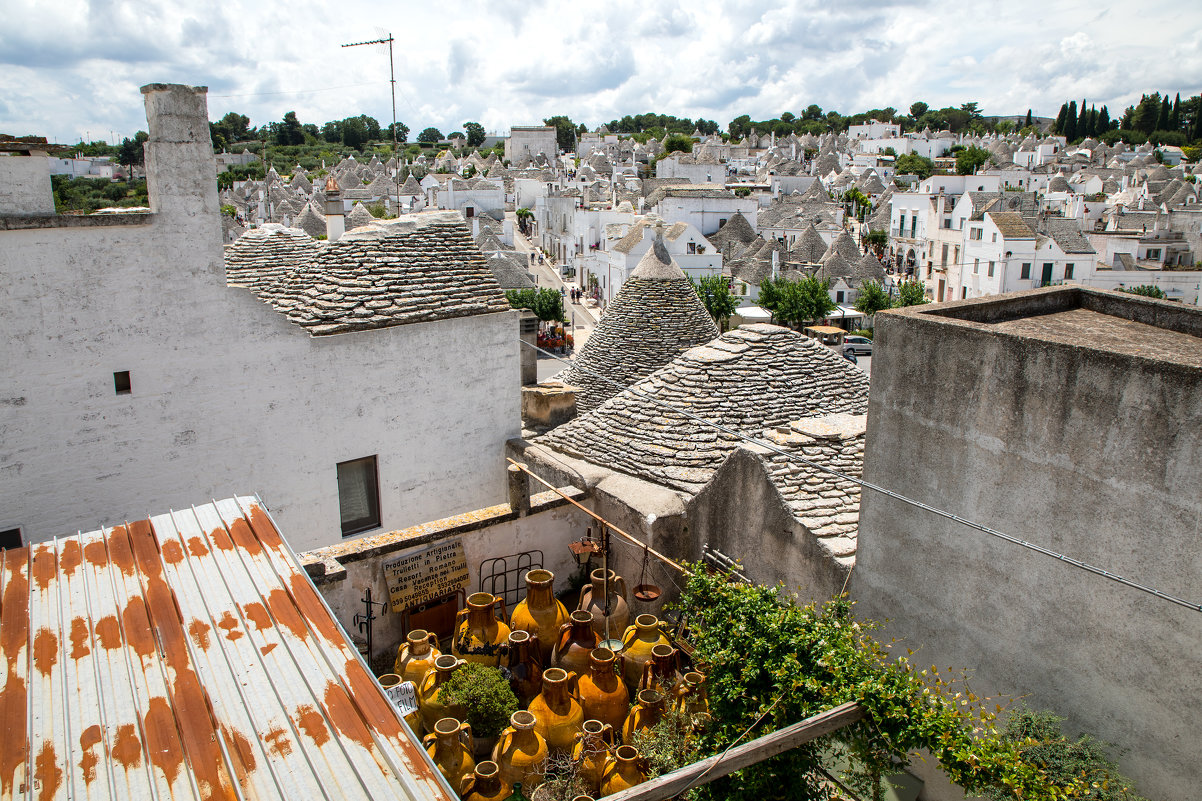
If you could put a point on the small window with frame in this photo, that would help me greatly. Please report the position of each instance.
(358, 495)
(121, 382)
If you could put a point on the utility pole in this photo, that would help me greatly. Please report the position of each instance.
(396, 158)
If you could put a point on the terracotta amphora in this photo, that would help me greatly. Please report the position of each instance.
(558, 711)
(660, 672)
(416, 655)
(592, 751)
(604, 696)
(575, 642)
(479, 634)
(521, 751)
(638, 642)
(485, 784)
(450, 746)
(540, 612)
(525, 665)
(647, 711)
(428, 702)
(623, 771)
(691, 701)
(592, 600)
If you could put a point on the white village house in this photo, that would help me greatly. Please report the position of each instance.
(353, 392)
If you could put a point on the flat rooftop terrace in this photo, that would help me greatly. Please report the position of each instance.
(1112, 322)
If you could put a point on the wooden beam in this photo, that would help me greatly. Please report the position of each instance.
(757, 750)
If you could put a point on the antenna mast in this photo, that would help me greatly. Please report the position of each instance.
(396, 158)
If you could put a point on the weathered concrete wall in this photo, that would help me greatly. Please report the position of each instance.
(741, 514)
(25, 185)
(227, 396)
(1085, 451)
(344, 571)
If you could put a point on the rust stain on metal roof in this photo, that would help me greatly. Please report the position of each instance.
(45, 650)
(113, 671)
(47, 772)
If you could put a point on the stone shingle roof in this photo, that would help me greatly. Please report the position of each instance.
(737, 229)
(762, 380)
(510, 269)
(1011, 225)
(358, 217)
(655, 317)
(417, 268)
(810, 247)
(846, 247)
(1068, 235)
(696, 190)
(310, 221)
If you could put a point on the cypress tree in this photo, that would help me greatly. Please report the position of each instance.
(1198, 122)
(1083, 120)
(1091, 122)
(1070, 121)
(1175, 114)
(1162, 122)
(1027, 124)
(1058, 126)
(1103, 121)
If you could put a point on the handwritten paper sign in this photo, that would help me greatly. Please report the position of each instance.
(421, 576)
(403, 696)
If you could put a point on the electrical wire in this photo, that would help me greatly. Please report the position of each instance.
(796, 457)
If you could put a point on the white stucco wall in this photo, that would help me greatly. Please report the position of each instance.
(25, 185)
(227, 396)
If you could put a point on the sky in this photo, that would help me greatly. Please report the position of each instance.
(71, 69)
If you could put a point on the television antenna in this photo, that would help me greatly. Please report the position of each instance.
(396, 158)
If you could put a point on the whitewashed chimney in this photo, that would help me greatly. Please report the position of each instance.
(335, 219)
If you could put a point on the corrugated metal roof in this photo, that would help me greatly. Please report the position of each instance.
(188, 656)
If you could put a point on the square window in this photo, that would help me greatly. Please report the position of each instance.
(121, 382)
(10, 538)
(358, 495)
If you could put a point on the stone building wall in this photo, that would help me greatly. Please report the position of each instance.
(1072, 419)
(227, 394)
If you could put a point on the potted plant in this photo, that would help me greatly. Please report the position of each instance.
(489, 700)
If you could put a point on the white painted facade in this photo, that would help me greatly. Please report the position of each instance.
(527, 141)
(694, 254)
(706, 214)
(226, 394)
(994, 264)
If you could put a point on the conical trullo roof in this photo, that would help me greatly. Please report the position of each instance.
(358, 217)
(810, 246)
(655, 317)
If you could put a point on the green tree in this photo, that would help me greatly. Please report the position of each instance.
(714, 291)
(911, 293)
(971, 109)
(1162, 120)
(524, 216)
(1028, 122)
(803, 301)
(878, 241)
(565, 133)
(290, 132)
(430, 136)
(1147, 290)
(402, 132)
(475, 133)
(131, 151)
(1070, 122)
(546, 303)
(914, 164)
(918, 109)
(969, 159)
(873, 298)
(678, 143)
(1061, 119)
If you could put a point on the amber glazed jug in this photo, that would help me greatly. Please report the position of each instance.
(604, 696)
(539, 612)
(557, 710)
(623, 771)
(592, 600)
(691, 701)
(575, 642)
(591, 752)
(637, 644)
(659, 673)
(485, 784)
(432, 707)
(480, 634)
(416, 655)
(524, 660)
(450, 746)
(521, 751)
(648, 711)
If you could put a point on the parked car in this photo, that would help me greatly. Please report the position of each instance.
(861, 346)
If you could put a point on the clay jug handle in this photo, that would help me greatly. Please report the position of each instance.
(629, 635)
(646, 679)
(607, 734)
(586, 597)
(573, 684)
(466, 729)
(497, 599)
(565, 634)
(431, 638)
(465, 787)
(462, 613)
(535, 651)
(622, 582)
(429, 739)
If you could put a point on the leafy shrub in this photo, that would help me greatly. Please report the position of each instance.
(486, 694)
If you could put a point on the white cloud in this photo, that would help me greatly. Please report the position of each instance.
(507, 62)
